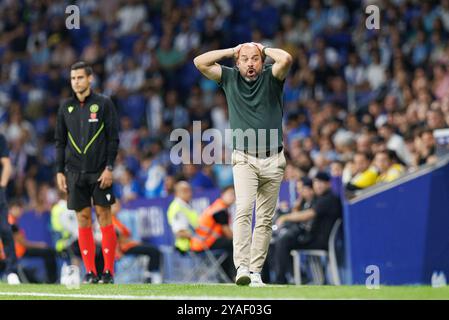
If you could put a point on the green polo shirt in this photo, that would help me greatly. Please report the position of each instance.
(255, 109)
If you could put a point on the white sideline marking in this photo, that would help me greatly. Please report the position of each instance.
(127, 297)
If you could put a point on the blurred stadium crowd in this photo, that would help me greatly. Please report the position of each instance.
(352, 93)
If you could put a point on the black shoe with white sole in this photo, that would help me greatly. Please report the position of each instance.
(107, 278)
(90, 278)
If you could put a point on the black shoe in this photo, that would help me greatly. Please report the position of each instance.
(90, 278)
(107, 277)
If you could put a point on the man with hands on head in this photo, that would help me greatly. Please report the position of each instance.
(254, 96)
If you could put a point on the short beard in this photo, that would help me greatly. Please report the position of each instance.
(251, 80)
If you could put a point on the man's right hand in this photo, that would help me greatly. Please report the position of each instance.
(236, 51)
(61, 181)
(207, 64)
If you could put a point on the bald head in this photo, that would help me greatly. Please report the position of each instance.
(249, 49)
(249, 61)
(183, 191)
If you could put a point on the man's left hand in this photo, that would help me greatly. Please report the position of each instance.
(105, 179)
(259, 46)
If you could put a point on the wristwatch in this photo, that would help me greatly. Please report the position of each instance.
(263, 50)
(109, 167)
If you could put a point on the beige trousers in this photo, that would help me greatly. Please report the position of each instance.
(259, 180)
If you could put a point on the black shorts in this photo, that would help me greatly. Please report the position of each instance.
(82, 188)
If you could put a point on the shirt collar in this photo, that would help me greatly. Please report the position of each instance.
(91, 93)
(182, 202)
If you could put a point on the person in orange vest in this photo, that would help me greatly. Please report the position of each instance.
(214, 231)
(128, 246)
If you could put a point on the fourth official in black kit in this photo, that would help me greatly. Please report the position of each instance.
(87, 142)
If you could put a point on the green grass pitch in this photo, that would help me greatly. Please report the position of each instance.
(218, 291)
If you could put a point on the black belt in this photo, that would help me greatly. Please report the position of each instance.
(265, 154)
